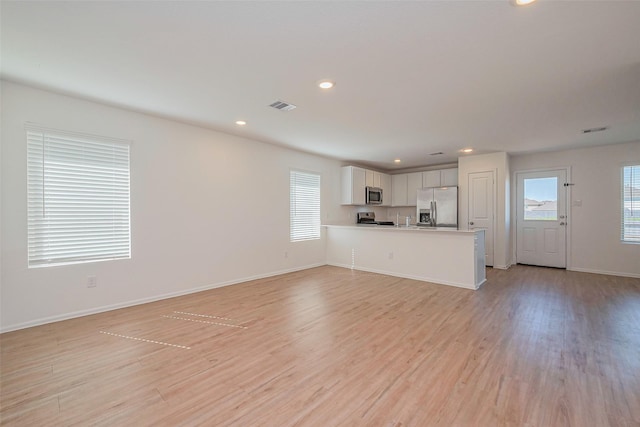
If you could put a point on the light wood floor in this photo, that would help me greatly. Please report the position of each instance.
(334, 347)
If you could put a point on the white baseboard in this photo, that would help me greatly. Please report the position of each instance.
(609, 273)
(502, 267)
(405, 276)
(102, 309)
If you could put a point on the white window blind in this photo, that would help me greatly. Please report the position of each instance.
(305, 206)
(78, 198)
(631, 204)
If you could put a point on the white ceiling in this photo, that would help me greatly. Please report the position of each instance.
(412, 78)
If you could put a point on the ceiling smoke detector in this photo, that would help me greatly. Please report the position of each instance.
(282, 106)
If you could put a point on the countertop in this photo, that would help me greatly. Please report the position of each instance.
(403, 228)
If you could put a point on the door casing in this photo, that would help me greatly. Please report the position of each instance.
(568, 204)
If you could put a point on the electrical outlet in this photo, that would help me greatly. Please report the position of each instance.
(92, 281)
(286, 254)
(390, 255)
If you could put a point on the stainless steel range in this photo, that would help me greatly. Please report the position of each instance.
(370, 218)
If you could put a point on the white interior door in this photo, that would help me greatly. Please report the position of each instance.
(481, 201)
(541, 233)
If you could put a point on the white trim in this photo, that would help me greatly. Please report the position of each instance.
(567, 203)
(35, 127)
(494, 222)
(105, 308)
(605, 272)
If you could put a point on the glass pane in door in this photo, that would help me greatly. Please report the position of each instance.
(541, 199)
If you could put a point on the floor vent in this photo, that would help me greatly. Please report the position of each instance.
(282, 106)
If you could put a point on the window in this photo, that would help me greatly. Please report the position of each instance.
(541, 199)
(304, 206)
(631, 204)
(78, 198)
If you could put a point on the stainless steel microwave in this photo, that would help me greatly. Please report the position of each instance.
(374, 195)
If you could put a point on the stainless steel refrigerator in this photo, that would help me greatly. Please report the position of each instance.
(437, 207)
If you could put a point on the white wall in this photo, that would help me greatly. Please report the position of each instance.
(207, 209)
(499, 164)
(595, 226)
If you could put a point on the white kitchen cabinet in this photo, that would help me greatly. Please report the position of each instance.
(387, 189)
(405, 188)
(375, 179)
(414, 182)
(354, 181)
(353, 185)
(371, 177)
(440, 178)
(406, 185)
(399, 190)
(431, 178)
(449, 177)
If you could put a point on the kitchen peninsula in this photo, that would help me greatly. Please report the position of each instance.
(438, 255)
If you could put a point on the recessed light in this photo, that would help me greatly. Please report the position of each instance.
(241, 122)
(521, 2)
(467, 150)
(397, 161)
(326, 84)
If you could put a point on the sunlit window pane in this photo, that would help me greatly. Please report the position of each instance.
(541, 199)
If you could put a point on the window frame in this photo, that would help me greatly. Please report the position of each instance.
(309, 227)
(78, 197)
(634, 179)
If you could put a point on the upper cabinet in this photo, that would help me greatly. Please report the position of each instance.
(399, 189)
(372, 178)
(387, 191)
(440, 178)
(355, 180)
(406, 185)
(414, 182)
(353, 185)
(449, 177)
(431, 179)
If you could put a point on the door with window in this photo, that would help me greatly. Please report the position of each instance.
(541, 234)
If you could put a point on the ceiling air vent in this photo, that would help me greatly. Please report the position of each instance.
(595, 129)
(282, 106)
(436, 154)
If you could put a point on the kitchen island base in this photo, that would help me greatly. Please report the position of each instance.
(442, 256)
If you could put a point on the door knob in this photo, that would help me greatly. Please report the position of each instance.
(470, 222)
(561, 216)
(562, 223)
